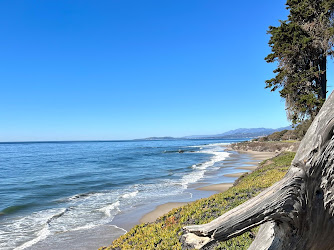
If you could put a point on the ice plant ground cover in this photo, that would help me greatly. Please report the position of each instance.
(166, 232)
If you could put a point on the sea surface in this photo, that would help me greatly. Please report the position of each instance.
(48, 189)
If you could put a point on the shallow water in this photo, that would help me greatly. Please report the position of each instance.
(54, 192)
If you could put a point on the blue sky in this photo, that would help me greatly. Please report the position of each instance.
(120, 69)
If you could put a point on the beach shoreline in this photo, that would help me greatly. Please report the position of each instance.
(161, 210)
(237, 164)
(249, 166)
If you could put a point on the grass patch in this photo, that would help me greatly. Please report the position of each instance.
(166, 231)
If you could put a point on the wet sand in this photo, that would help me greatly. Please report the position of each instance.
(236, 174)
(256, 158)
(222, 187)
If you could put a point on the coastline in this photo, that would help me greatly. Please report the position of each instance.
(165, 232)
(249, 166)
(161, 210)
(237, 164)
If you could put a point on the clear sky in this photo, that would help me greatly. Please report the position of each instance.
(121, 69)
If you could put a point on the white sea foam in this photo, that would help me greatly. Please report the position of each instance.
(218, 155)
(130, 195)
(40, 236)
(85, 227)
(112, 207)
(192, 178)
(24, 232)
(120, 228)
(84, 211)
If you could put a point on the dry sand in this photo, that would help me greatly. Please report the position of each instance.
(165, 208)
(161, 210)
(257, 157)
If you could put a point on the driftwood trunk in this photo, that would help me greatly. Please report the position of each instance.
(296, 212)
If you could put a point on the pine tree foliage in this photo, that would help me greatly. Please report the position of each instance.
(301, 46)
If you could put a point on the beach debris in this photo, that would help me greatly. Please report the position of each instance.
(296, 212)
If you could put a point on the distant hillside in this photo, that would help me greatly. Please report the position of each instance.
(160, 138)
(240, 133)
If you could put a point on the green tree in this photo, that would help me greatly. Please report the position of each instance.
(301, 46)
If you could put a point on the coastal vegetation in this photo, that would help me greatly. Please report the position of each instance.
(297, 211)
(291, 198)
(166, 232)
(287, 135)
(301, 45)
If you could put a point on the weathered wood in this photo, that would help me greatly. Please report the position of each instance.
(298, 211)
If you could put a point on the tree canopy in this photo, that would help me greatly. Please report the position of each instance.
(301, 46)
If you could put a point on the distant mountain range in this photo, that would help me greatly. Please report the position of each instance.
(240, 133)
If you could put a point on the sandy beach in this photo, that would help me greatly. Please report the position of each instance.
(235, 165)
(235, 175)
(251, 165)
(161, 210)
(219, 188)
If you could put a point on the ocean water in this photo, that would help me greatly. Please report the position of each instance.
(49, 189)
